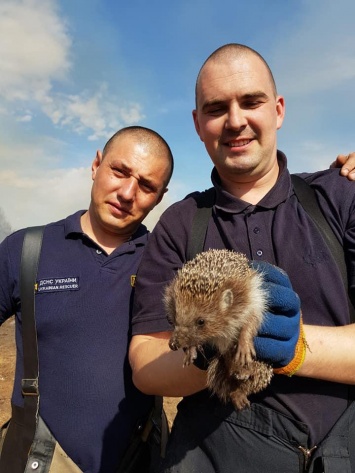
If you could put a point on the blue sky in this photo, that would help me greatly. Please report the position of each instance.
(72, 72)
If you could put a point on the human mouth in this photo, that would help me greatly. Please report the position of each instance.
(117, 209)
(238, 143)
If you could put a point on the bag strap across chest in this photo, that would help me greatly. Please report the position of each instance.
(31, 250)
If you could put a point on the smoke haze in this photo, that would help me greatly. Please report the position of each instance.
(5, 228)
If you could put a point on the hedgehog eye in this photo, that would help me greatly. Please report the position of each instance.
(200, 322)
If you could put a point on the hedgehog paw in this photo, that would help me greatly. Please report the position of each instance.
(244, 355)
(239, 400)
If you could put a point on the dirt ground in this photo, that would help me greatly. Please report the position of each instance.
(7, 365)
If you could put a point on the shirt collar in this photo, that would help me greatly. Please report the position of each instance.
(279, 193)
(72, 227)
(72, 224)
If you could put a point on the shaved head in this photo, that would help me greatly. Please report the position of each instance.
(230, 52)
(147, 137)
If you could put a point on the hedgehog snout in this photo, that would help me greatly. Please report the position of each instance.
(182, 337)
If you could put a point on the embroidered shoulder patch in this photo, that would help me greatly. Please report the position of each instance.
(57, 284)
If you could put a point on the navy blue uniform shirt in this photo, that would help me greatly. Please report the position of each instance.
(83, 310)
(279, 231)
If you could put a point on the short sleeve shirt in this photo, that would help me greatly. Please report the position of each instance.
(279, 231)
(83, 315)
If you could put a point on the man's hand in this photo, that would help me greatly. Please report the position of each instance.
(280, 332)
(347, 164)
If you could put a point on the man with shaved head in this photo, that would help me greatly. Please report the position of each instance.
(85, 282)
(305, 419)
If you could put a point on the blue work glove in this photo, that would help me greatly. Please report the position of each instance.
(280, 332)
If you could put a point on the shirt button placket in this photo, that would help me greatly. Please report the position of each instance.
(255, 236)
(258, 252)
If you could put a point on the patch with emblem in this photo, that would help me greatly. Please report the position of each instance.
(133, 280)
(58, 284)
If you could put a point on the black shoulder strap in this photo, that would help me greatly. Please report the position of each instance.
(308, 199)
(29, 264)
(205, 202)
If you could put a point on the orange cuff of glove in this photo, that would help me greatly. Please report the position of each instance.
(300, 355)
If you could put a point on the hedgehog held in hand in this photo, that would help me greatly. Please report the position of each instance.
(217, 299)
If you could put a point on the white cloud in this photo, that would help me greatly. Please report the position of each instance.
(36, 58)
(43, 198)
(34, 48)
(99, 112)
(27, 117)
(29, 155)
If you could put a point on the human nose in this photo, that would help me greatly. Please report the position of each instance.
(128, 189)
(236, 118)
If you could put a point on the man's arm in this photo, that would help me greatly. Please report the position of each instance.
(159, 371)
(330, 351)
(331, 354)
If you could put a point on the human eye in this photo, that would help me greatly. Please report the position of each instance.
(253, 101)
(252, 104)
(214, 109)
(147, 187)
(119, 172)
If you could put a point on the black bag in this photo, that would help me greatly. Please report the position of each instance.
(148, 443)
(3, 430)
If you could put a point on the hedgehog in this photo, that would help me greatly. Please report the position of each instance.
(218, 300)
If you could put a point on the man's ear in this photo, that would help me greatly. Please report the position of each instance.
(96, 163)
(196, 123)
(280, 110)
(160, 198)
